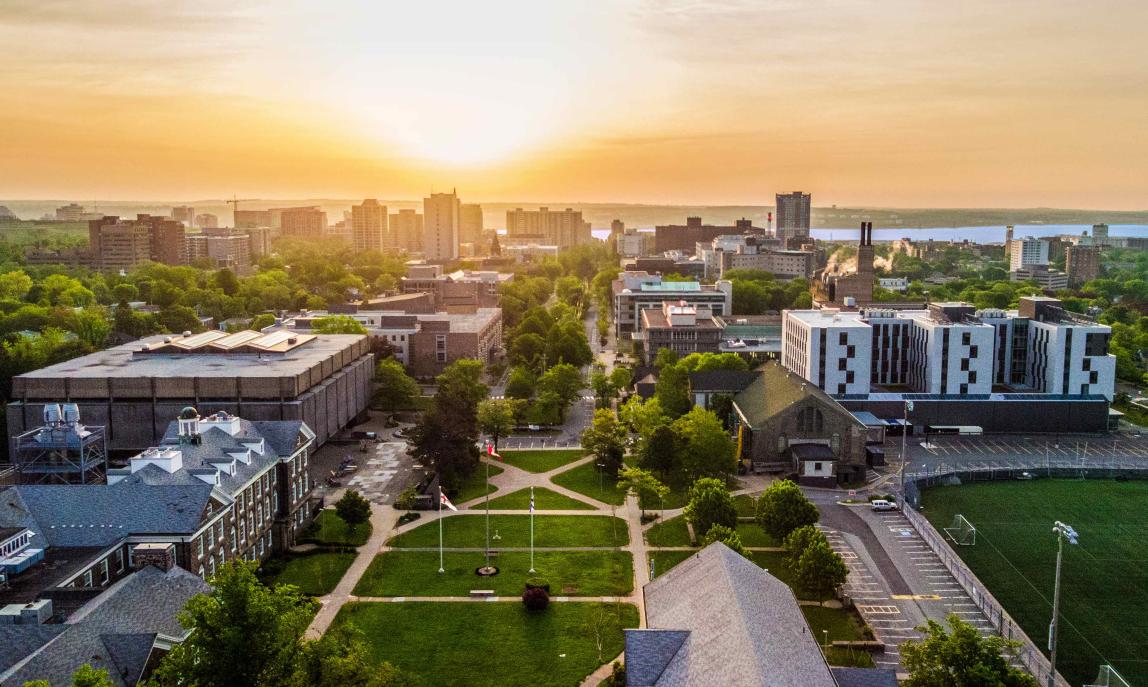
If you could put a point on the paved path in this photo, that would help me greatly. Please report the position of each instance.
(383, 520)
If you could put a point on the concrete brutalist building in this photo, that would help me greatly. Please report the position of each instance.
(137, 388)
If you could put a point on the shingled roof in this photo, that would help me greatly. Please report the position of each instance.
(115, 631)
(719, 619)
(776, 389)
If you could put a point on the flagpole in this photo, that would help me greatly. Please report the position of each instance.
(440, 568)
(532, 529)
(487, 461)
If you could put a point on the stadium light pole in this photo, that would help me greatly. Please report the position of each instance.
(905, 447)
(1062, 532)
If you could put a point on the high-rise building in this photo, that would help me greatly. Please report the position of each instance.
(1082, 264)
(1100, 234)
(470, 223)
(70, 213)
(562, 228)
(405, 231)
(122, 244)
(222, 248)
(245, 219)
(368, 225)
(308, 222)
(1026, 252)
(440, 226)
(793, 215)
(183, 213)
(206, 220)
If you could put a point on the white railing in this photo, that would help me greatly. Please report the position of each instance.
(1039, 466)
(1027, 654)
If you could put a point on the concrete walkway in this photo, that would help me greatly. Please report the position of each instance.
(383, 519)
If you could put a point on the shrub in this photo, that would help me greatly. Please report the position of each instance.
(710, 504)
(726, 536)
(353, 509)
(406, 500)
(535, 599)
(538, 583)
(799, 540)
(782, 508)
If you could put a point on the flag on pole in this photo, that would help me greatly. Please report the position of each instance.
(490, 452)
(531, 499)
(445, 501)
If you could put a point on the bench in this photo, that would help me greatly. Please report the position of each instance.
(481, 593)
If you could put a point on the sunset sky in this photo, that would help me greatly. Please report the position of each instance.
(884, 102)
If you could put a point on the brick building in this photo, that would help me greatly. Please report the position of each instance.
(121, 244)
(1082, 264)
(680, 327)
(841, 289)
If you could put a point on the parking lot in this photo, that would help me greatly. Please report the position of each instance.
(1055, 447)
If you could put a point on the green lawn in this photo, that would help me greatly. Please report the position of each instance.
(314, 574)
(1104, 593)
(465, 531)
(541, 461)
(584, 479)
(544, 499)
(671, 532)
(488, 644)
(475, 485)
(843, 625)
(570, 573)
(329, 528)
(745, 505)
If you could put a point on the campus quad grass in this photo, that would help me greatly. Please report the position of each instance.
(746, 505)
(544, 499)
(1104, 593)
(314, 574)
(570, 573)
(541, 461)
(673, 532)
(329, 528)
(497, 644)
(475, 485)
(664, 561)
(584, 480)
(469, 531)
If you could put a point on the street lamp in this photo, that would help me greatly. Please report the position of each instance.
(905, 448)
(601, 484)
(1062, 532)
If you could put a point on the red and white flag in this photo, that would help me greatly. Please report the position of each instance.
(445, 501)
(490, 452)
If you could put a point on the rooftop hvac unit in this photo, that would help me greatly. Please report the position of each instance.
(71, 413)
(52, 414)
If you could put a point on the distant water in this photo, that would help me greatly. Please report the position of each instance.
(994, 234)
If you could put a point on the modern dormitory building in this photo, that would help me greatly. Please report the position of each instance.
(1036, 367)
(215, 489)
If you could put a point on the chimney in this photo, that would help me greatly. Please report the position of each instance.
(158, 554)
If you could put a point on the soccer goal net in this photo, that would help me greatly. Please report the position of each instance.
(962, 531)
(1108, 677)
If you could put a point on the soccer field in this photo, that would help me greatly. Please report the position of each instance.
(1104, 592)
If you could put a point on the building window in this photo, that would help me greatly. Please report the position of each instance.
(104, 573)
(966, 338)
(810, 420)
(119, 560)
(87, 578)
(841, 363)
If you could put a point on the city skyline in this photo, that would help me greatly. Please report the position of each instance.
(895, 104)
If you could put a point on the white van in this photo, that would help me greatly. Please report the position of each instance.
(883, 505)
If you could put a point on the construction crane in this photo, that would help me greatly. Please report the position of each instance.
(234, 203)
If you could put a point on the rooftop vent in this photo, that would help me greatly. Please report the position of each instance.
(167, 339)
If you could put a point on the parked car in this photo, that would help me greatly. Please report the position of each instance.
(883, 505)
(534, 428)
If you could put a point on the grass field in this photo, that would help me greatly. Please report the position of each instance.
(314, 574)
(329, 528)
(541, 461)
(570, 573)
(475, 485)
(465, 531)
(584, 479)
(1104, 594)
(673, 532)
(544, 499)
(487, 644)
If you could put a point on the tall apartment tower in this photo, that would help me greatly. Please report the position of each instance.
(793, 215)
(184, 213)
(308, 222)
(405, 231)
(122, 244)
(368, 225)
(1027, 252)
(470, 223)
(1082, 263)
(440, 226)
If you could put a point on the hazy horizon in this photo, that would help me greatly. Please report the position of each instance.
(898, 104)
